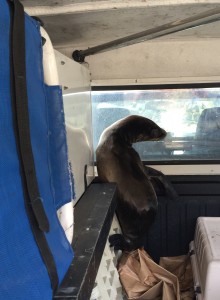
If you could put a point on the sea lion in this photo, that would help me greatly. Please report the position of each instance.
(118, 162)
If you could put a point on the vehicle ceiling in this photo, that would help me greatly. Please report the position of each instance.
(81, 23)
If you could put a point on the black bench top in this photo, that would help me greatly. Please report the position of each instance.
(93, 217)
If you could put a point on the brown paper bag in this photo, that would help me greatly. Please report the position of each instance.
(143, 279)
(181, 267)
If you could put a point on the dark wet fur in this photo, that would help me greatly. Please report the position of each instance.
(161, 182)
(118, 162)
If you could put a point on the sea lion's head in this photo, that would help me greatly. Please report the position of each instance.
(136, 128)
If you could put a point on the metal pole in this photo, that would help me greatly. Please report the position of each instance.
(149, 34)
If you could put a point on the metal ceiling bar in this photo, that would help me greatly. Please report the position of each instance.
(207, 17)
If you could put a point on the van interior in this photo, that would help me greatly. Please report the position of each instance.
(154, 58)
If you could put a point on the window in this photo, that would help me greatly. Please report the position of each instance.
(191, 117)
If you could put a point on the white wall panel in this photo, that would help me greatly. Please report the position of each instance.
(75, 80)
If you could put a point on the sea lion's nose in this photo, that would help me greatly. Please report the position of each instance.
(158, 133)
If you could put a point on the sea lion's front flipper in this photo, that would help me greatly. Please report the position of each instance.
(118, 242)
(158, 179)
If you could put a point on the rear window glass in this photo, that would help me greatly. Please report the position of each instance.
(191, 117)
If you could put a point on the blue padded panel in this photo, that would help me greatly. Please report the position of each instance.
(23, 275)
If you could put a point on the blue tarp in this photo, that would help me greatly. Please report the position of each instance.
(23, 275)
